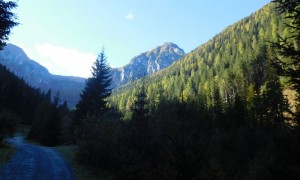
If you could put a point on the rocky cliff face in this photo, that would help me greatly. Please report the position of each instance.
(15, 59)
(147, 63)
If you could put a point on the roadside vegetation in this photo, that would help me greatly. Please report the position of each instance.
(6, 153)
(81, 171)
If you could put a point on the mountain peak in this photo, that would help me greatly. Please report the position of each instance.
(166, 49)
(169, 45)
(171, 48)
(166, 44)
(148, 63)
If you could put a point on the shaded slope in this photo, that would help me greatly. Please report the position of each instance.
(15, 59)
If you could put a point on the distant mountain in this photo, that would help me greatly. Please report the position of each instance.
(69, 87)
(15, 59)
(147, 63)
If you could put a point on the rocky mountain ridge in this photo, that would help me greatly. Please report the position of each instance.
(69, 87)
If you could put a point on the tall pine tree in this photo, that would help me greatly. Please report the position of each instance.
(93, 98)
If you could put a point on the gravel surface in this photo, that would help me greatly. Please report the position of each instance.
(34, 162)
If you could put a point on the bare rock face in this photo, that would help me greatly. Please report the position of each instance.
(147, 63)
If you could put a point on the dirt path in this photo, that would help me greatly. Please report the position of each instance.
(34, 162)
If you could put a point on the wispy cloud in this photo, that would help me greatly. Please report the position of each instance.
(129, 16)
(66, 61)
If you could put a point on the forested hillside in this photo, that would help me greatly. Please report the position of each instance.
(233, 63)
(22, 104)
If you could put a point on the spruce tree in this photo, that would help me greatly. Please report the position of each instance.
(139, 119)
(258, 110)
(7, 20)
(287, 48)
(218, 109)
(53, 125)
(93, 98)
(275, 103)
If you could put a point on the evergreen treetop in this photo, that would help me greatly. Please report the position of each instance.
(7, 20)
(93, 97)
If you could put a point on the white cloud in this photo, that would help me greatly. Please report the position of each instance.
(129, 16)
(66, 61)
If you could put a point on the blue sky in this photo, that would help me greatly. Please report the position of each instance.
(66, 35)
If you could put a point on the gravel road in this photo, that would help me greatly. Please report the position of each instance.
(34, 162)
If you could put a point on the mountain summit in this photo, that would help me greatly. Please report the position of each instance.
(147, 63)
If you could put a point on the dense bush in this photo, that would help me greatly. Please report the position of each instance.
(98, 142)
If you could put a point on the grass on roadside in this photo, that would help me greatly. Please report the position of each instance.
(80, 171)
(6, 153)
